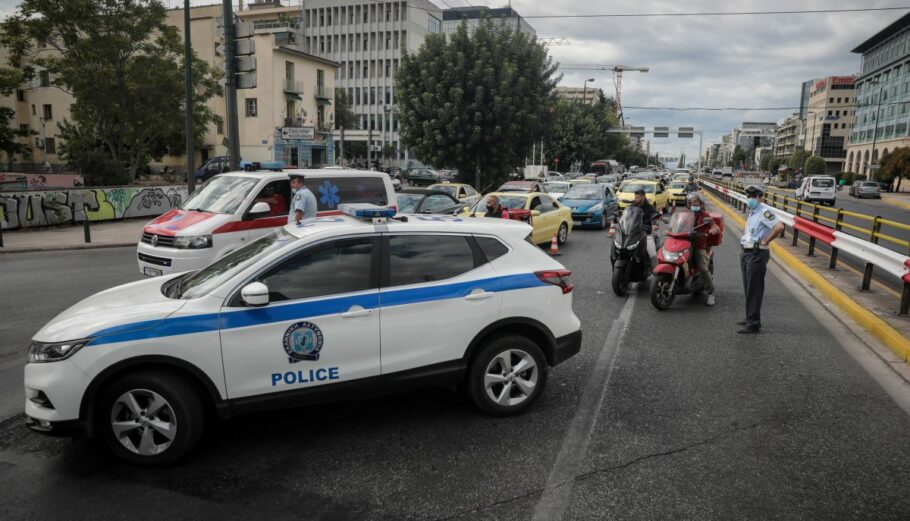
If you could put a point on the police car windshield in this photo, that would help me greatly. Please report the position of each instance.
(197, 284)
(221, 194)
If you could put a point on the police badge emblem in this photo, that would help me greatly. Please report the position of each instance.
(303, 342)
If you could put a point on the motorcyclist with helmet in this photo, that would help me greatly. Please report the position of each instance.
(696, 204)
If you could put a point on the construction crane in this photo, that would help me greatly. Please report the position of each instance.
(617, 79)
(555, 41)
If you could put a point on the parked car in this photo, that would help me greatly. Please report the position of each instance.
(867, 189)
(212, 167)
(557, 188)
(426, 200)
(886, 187)
(852, 190)
(422, 176)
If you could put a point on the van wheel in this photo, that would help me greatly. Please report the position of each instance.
(151, 418)
(507, 375)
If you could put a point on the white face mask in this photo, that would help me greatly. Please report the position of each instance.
(696, 208)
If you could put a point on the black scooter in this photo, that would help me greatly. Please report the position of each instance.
(629, 255)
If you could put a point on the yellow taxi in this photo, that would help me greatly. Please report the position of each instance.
(677, 192)
(581, 181)
(654, 192)
(465, 193)
(548, 217)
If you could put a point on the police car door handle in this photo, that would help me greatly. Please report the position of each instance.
(479, 294)
(356, 311)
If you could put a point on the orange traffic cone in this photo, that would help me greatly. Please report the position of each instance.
(554, 247)
(612, 232)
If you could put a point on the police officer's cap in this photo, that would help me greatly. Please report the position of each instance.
(754, 191)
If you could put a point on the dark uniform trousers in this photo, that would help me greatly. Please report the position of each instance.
(754, 264)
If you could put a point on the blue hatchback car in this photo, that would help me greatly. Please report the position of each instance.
(592, 205)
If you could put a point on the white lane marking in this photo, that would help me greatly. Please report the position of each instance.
(555, 497)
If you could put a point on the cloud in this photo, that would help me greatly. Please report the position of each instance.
(739, 61)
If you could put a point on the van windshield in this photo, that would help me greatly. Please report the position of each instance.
(823, 183)
(221, 194)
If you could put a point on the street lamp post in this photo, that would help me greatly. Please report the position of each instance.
(584, 92)
(878, 106)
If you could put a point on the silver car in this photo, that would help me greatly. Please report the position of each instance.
(868, 189)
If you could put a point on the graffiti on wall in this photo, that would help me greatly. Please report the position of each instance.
(39, 181)
(50, 207)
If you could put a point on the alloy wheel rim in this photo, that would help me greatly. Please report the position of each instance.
(511, 377)
(563, 233)
(143, 422)
(663, 290)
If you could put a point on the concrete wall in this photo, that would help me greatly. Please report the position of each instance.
(33, 209)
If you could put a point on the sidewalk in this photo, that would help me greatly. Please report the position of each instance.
(901, 199)
(70, 237)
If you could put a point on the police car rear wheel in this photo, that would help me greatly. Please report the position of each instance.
(507, 375)
(151, 418)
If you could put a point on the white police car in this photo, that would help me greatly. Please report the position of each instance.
(334, 308)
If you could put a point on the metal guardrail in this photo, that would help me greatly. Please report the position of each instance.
(806, 218)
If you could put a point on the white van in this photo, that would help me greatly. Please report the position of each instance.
(235, 208)
(819, 189)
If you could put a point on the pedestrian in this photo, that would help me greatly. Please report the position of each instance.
(303, 204)
(495, 209)
(762, 227)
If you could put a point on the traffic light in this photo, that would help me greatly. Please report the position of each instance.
(244, 61)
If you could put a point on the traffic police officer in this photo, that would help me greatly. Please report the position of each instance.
(762, 227)
(303, 203)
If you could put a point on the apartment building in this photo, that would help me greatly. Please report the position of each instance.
(789, 137)
(367, 39)
(882, 113)
(829, 120)
(588, 96)
(472, 16)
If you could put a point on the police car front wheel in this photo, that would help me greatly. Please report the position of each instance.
(507, 375)
(151, 418)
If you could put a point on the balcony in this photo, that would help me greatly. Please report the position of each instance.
(322, 93)
(293, 86)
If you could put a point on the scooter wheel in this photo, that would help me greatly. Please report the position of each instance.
(620, 284)
(661, 296)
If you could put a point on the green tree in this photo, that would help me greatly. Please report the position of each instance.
(795, 161)
(344, 116)
(124, 67)
(773, 165)
(574, 134)
(815, 165)
(765, 163)
(895, 165)
(476, 102)
(739, 156)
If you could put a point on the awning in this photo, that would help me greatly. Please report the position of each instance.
(293, 96)
(323, 101)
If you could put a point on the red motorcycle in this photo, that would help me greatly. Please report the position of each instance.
(676, 272)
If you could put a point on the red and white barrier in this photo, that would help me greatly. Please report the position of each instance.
(888, 260)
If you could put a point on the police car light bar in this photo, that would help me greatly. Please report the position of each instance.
(367, 211)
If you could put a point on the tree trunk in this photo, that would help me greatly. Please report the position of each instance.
(341, 146)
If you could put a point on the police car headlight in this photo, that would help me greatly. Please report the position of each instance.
(40, 352)
(193, 243)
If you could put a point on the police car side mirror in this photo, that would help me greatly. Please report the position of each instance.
(259, 209)
(255, 294)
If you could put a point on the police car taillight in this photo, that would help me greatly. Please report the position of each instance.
(557, 278)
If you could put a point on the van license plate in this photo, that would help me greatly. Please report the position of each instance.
(151, 272)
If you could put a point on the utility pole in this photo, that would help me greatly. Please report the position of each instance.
(188, 66)
(230, 86)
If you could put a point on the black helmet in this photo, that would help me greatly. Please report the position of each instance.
(754, 191)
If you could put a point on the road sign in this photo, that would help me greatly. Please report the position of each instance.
(685, 132)
(298, 133)
(243, 29)
(245, 47)
(246, 80)
(661, 131)
(246, 63)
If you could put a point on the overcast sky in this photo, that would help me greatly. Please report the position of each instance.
(741, 61)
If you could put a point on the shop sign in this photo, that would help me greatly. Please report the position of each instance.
(298, 133)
